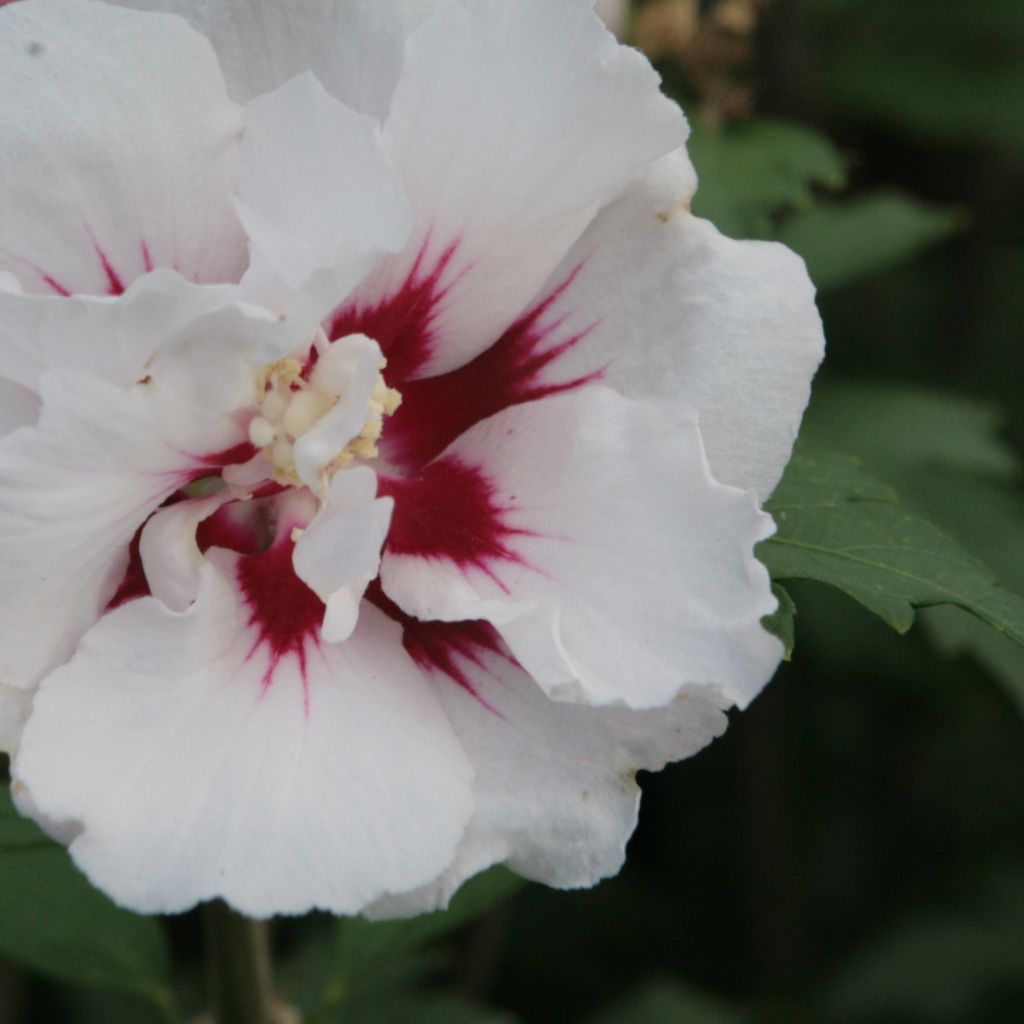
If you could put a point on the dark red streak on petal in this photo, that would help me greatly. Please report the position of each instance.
(443, 646)
(403, 322)
(450, 511)
(50, 280)
(233, 456)
(147, 259)
(56, 286)
(285, 613)
(115, 286)
(435, 411)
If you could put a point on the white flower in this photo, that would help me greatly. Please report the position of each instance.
(228, 252)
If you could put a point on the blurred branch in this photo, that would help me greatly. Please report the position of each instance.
(12, 995)
(240, 970)
(713, 49)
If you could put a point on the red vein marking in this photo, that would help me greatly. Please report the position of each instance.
(439, 646)
(285, 613)
(402, 323)
(436, 410)
(115, 286)
(450, 511)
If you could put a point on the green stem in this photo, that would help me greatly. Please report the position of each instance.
(240, 969)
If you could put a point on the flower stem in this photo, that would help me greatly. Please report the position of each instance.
(240, 969)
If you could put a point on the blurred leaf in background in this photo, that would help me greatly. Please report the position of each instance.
(671, 1003)
(948, 71)
(751, 171)
(770, 180)
(53, 921)
(938, 966)
(845, 241)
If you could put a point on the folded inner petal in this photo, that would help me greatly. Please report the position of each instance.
(111, 337)
(318, 198)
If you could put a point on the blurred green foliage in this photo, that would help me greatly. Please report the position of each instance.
(852, 852)
(53, 921)
(751, 172)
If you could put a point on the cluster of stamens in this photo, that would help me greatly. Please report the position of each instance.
(292, 405)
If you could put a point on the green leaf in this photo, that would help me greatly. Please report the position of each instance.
(751, 170)
(782, 623)
(838, 525)
(53, 921)
(671, 1003)
(950, 462)
(844, 242)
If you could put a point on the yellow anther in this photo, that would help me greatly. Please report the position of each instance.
(305, 408)
(292, 405)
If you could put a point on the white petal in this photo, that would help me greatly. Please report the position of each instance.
(555, 791)
(587, 529)
(170, 555)
(354, 47)
(76, 488)
(9, 284)
(19, 407)
(111, 337)
(118, 149)
(318, 198)
(669, 308)
(322, 781)
(209, 368)
(338, 554)
(512, 123)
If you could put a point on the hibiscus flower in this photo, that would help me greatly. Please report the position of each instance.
(383, 444)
